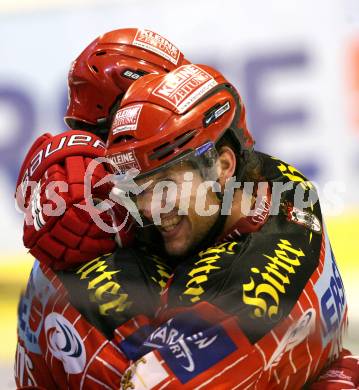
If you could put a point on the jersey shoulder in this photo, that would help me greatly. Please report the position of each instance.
(275, 169)
(42, 286)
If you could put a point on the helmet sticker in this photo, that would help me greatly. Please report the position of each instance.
(184, 86)
(126, 119)
(149, 40)
(133, 74)
(125, 161)
(204, 148)
(214, 114)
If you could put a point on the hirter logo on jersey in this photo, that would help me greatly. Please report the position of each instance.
(184, 86)
(125, 161)
(149, 40)
(126, 119)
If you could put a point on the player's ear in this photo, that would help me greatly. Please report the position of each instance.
(226, 164)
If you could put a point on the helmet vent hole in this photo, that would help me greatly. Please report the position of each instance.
(101, 53)
(124, 139)
(183, 139)
(162, 151)
(95, 68)
(99, 106)
(160, 147)
(168, 148)
(165, 155)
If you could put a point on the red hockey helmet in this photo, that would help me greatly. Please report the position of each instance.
(177, 116)
(108, 66)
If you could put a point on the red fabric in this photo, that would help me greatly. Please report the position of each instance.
(71, 236)
(289, 356)
(41, 141)
(65, 236)
(342, 374)
(71, 222)
(102, 361)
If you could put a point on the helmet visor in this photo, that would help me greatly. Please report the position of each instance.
(203, 159)
(179, 180)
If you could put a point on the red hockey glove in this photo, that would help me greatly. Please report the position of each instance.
(50, 188)
(342, 374)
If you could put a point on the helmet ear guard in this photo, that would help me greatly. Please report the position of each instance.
(237, 135)
(238, 128)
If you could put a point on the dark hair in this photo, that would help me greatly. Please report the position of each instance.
(248, 163)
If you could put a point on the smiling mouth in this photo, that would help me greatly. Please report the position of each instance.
(169, 224)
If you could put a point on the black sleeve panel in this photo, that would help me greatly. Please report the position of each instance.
(112, 289)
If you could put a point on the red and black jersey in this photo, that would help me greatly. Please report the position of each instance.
(263, 308)
(79, 328)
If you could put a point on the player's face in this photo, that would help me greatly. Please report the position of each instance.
(180, 209)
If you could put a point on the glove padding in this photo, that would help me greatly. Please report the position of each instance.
(342, 374)
(50, 185)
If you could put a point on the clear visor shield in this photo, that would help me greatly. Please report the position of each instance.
(202, 159)
(174, 185)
